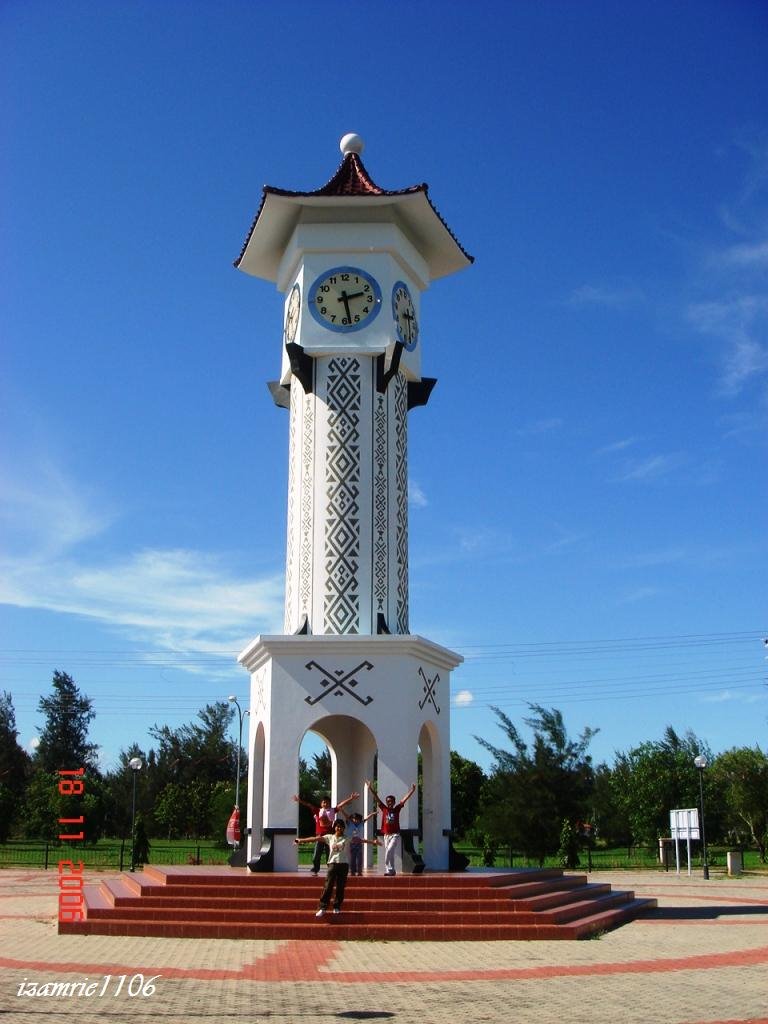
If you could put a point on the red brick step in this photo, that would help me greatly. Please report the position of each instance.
(230, 903)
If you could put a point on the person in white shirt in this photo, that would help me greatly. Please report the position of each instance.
(338, 865)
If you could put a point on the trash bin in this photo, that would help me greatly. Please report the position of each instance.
(735, 862)
(667, 853)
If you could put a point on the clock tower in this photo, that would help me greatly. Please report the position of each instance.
(352, 261)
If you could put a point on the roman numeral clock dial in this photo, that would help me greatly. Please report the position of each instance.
(344, 299)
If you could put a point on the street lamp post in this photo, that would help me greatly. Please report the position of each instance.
(240, 716)
(701, 763)
(135, 764)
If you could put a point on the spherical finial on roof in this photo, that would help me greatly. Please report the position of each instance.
(351, 143)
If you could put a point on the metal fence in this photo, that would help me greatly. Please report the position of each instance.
(115, 855)
(629, 858)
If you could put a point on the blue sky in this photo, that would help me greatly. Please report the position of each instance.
(588, 482)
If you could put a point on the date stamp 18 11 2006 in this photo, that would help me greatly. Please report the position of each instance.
(71, 783)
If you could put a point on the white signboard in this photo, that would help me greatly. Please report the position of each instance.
(684, 823)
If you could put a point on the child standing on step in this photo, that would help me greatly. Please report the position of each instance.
(338, 865)
(355, 832)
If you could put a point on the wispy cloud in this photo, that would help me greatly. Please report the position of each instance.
(538, 427)
(742, 323)
(747, 254)
(612, 296)
(648, 559)
(44, 512)
(463, 699)
(177, 599)
(653, 467)
(416, 496)
(617, 446)
(731, 696)
(637, 595)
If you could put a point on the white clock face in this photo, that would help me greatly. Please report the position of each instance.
(404, 313)
(292, 314)
(344, 299)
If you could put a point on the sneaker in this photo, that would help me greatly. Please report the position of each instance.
(320, 913)
(313, 872)
(337, 910)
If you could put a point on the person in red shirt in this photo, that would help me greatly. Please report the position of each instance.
(324, 816)
(390, 824)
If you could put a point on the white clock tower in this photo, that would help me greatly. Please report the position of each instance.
(351, 260)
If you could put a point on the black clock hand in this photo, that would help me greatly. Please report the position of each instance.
(408, 317)
(345, 299)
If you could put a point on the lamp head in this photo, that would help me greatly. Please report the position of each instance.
(136, 764)
(701, 762)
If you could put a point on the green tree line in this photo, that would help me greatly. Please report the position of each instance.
(541, 795)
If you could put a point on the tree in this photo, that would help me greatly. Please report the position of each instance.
(741, 775)
(200, 751)
(14, 768)
(531, 792)
(651, 780)
(467, 779)
(608, 819)
(64, 737)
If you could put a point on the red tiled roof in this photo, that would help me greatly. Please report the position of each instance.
(350, 180)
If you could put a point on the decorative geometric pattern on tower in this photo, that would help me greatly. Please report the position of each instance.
(380, 504)
(341, 551)
(306, 546)
(430, 686)
(401, 483)
(339, 682)
(290, 557)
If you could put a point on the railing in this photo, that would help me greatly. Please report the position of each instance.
(117, 855)
(631, 858)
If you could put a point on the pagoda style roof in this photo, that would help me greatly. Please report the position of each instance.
(350, 196)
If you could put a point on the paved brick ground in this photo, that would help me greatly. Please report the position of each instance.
(701, 958)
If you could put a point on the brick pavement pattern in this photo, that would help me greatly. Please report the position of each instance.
(700, 958)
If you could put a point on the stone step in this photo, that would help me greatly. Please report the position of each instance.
(230, 904)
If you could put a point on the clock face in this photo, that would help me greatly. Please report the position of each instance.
(344, 299)
(292, 314)
(404, 313)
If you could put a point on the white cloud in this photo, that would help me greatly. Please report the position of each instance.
(416, 496)
(44, 512)
(741, 323)
(463, 699)
(176, 599)
(747, 255)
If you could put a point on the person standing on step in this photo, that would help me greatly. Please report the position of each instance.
(338, 865)
(390, 824)
(355, 832)
(324, 816)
